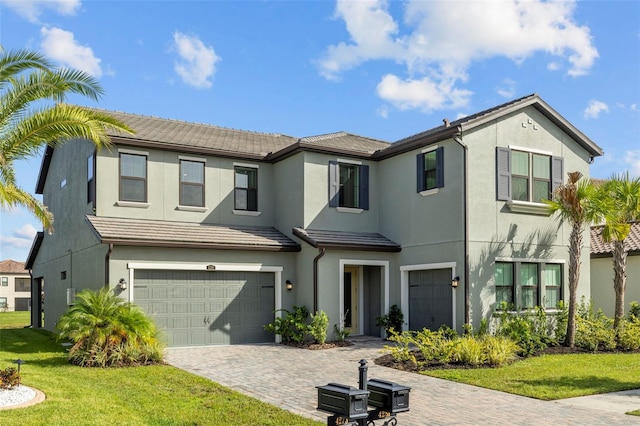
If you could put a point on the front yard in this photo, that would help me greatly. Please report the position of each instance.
(156, 395)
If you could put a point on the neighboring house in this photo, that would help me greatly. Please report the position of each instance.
(15, 286)
(602, 293)
(207, 228)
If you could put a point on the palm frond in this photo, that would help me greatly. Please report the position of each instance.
(12, 196)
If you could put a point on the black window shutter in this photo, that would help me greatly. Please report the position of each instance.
(440, 167)
(420, 172)
(503, 173)
(557, 172)
(364, 187)
(334, 184)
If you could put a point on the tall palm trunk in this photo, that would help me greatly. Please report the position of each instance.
(619, 279)
(575, 250)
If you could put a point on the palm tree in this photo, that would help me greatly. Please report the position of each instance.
(577, 202)
(107, 331)
(32, 114)
(624, 193)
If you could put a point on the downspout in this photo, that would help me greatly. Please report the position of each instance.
(465, 150)
(106, 265)
(315, 278)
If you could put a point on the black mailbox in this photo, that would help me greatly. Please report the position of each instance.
(343, 400)
(388, 396)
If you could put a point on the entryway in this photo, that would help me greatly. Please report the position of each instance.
(364, 297)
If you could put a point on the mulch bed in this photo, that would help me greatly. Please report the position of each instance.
(388, 361)
(316, 346)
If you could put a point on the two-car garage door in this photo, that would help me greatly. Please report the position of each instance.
(195, 308)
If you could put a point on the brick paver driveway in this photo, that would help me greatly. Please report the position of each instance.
(287, 377)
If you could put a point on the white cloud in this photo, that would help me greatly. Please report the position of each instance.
(632, 159)
(383, 111)
(61, 46)
(595, 108)
(197, 63)
(508, 88)
(32, 9)
(442, 39)
(22, 237)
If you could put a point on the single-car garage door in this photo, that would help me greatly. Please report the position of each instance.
(430, 299)
(194, 308)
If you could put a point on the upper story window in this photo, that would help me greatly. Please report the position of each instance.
(430, 169)
(133, 177)
(5, 281)
(91, 179)
(348, 185)
(191, 183)
(527, 176)
(23, 284)
(246, 188)
(525, 285)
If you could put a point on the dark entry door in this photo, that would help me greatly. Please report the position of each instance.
(430, 299)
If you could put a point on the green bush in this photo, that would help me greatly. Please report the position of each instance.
(318, 327)
(435, 345)
(292, 326)
(629, 334)
(634, 310)
(469, 350)
(107, 331)
(392, 321)
(403, 348)
(594, 330)
(529, 332)
(9, 378)
(499, 350)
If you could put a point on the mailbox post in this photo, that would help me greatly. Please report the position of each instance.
(348, 405)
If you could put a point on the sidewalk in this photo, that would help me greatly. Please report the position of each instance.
(287, 377)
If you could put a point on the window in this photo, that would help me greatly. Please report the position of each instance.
(527, 176)
(504, 283)
(520, 284)
(133, 177)
(91, 181)
(3, 303)
(430, 169)
(552, 285)
(348, 185)
(23, 284)
(5, 281)
(191, 183)
(246, 188)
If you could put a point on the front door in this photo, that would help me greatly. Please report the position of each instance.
(350, 297)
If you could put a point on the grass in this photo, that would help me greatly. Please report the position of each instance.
(156, 395)
(18, 319)
(550, 377)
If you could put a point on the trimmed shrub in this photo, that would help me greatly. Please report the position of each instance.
(469, 350)
(499, 350)
(292, 326)
(629, 334)
(318, 327)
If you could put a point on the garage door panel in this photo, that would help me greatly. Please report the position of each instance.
(208, 307)
(430, 299)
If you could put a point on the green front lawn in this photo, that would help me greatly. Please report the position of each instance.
(158, 395)
(551, 377)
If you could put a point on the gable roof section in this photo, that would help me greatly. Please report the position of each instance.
(343, 240)
(12, 267)
(35, 248)
(599, 248)
(448, 130)
(156, 233)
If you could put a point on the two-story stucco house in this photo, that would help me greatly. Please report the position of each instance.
(15, 286)
(210, 229)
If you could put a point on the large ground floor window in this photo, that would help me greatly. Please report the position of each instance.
(524, 285)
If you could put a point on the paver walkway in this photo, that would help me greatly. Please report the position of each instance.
(287, 377)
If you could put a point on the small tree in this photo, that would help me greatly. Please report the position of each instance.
(577, 202)
(623, 194)
(107, 331)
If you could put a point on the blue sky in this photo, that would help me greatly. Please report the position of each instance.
(382, 69)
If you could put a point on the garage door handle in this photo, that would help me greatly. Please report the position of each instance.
(268, 286)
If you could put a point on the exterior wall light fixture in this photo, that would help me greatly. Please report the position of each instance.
(289, 285)
(122, 284)
(455, 282)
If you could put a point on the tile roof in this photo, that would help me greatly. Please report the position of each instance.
(12, 267)
(600, 248)
(344, 240)
(156, 233)
(343, 140)
(175, 134)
